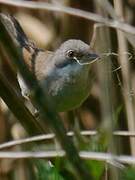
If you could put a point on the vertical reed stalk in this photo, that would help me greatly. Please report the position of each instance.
(127, 88)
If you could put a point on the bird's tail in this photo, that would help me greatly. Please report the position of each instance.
(15, 30)
(28, 48)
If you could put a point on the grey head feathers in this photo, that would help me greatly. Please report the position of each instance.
(73, 51)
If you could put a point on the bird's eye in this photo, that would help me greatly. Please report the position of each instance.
(70, 53)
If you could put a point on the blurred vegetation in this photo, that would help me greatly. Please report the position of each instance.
(109, 107)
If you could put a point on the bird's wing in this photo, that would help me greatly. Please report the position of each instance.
(34, 57)
(40, 64)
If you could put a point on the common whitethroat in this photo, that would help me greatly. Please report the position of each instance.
(66, 74)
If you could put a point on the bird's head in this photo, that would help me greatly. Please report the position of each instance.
(74, 53)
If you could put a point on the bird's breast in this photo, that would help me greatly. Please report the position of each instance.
(68, 92)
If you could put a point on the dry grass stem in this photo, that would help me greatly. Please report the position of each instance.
(52, 136)
(72, 11)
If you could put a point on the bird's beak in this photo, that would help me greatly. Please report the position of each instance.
(89, 58)
(93, 56)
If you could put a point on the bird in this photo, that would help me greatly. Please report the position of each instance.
(65, 74)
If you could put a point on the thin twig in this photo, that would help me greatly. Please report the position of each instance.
(52, 136)
(72, 11)
(54, 154)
